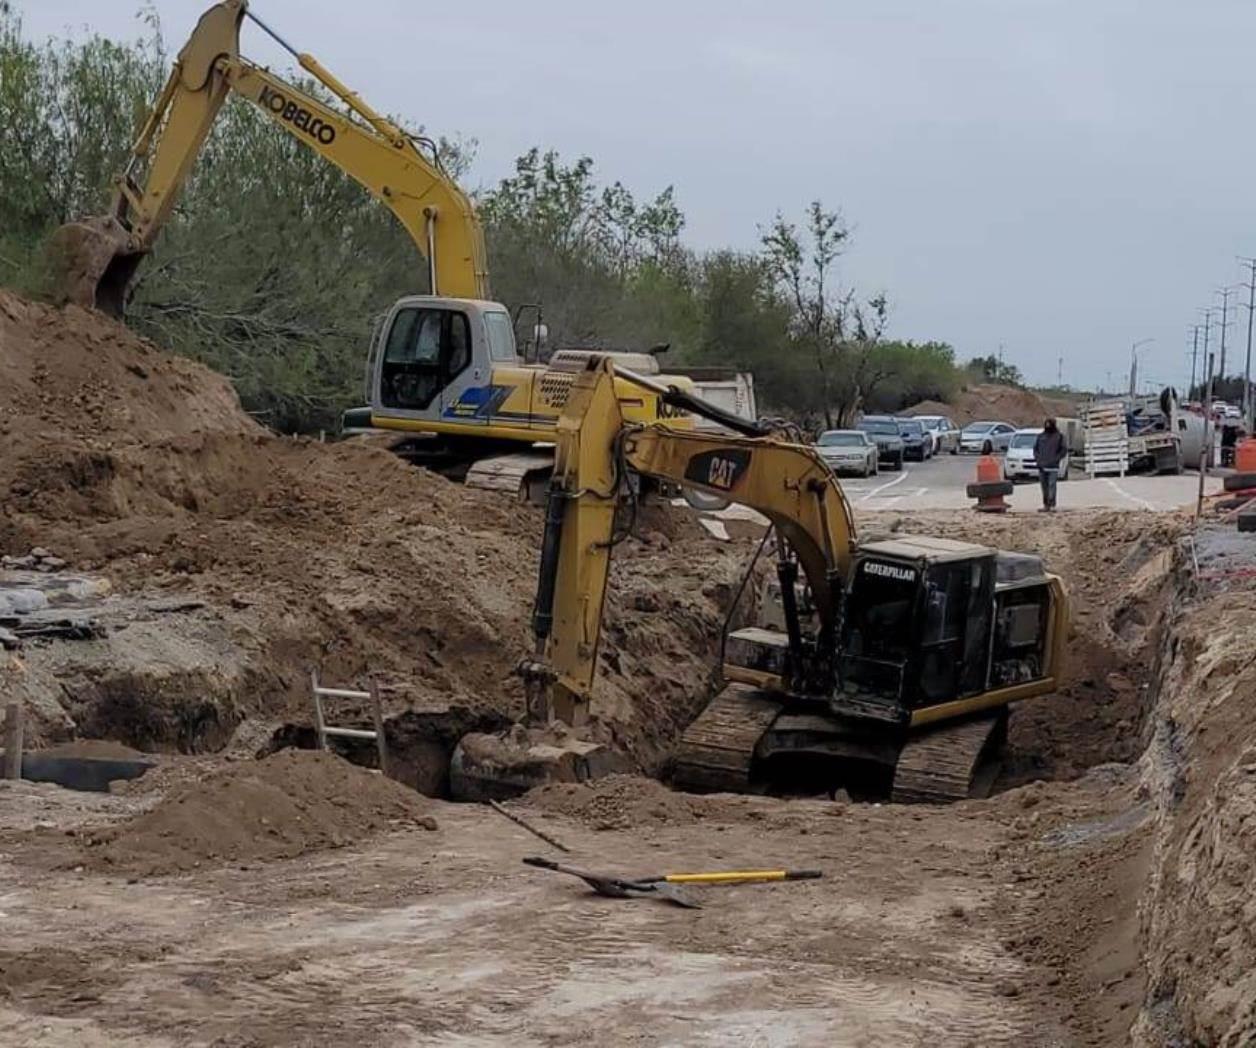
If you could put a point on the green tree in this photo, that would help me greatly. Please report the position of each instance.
(68, 112)
(993, 369)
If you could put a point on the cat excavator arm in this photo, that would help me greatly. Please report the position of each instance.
(787, 483)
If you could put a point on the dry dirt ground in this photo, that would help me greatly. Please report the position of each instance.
(420, 937)
(1101, 897)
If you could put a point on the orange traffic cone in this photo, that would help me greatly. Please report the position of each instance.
(990, 487)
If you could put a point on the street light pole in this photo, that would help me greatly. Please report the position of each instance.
(1134, 364)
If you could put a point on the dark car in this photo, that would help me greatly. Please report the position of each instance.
(917, 441)
(884, 431)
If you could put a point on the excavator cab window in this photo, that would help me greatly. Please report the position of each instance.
(917, 634)
(501, 337)
(955, 634)
(426, 348)
(879, 627)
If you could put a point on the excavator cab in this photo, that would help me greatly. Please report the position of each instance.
(433, 358)
(930, 622)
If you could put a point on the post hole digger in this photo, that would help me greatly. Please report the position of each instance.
(893, 663)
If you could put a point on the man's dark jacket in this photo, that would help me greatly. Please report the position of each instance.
(1050, 449)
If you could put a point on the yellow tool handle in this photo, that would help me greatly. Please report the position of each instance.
(741, 876)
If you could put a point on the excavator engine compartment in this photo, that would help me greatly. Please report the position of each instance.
(931, 631)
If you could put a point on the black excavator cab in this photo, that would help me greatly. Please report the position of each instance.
(915, 628)
(930, 622)
(935, 639)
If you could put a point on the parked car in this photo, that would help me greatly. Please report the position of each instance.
(944, 432)
(985, 438)
(848, 451)
(1019, 462)
(917, 442)
(883, 429)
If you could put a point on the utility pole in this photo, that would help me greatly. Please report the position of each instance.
(1225, 323)
(1247, 365)
(1194, 360)
(1205, 452)
(1207, 337)
(1059, 366)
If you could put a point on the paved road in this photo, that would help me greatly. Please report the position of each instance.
(940, 483)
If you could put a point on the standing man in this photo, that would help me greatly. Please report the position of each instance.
(1049, 452)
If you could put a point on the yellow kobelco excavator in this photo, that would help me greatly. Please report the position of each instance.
(445, 370)
(885, 667)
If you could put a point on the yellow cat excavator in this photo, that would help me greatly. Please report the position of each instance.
(885, 667)
(446, 374)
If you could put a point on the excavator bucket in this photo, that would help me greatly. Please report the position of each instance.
(90, 264)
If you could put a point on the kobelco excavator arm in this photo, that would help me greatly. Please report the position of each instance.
(788, 483)
(400, 169)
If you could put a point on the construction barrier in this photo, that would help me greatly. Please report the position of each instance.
(990, 487)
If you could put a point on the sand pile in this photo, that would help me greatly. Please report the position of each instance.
(140, 466)
(617, 802)
(994, 403)
(291, 803)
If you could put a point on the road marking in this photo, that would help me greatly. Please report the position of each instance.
(1125, 494)
(902, 476)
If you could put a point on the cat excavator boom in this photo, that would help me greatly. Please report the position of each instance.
(883, 666)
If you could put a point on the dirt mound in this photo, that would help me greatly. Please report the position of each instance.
(73, 373)
(617, 802)
(286, 805)
(994, 403)
(140, 466)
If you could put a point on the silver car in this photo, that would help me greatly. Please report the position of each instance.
(944, 432)
(985, 438)
(848, 451)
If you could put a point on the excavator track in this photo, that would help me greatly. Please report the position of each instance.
(523, 474)
(950, 763)
(718, 748)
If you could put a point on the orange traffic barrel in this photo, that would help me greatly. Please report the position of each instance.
(990, 487)
(1243, 479)
(988, 470)
(1245, 456)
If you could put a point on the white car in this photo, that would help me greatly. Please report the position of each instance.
(1019, 462)
(848, 451)
(985, 438)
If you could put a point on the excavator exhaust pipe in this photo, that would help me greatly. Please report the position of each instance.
(91, 264)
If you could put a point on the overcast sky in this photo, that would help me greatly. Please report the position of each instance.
(1061, 177)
